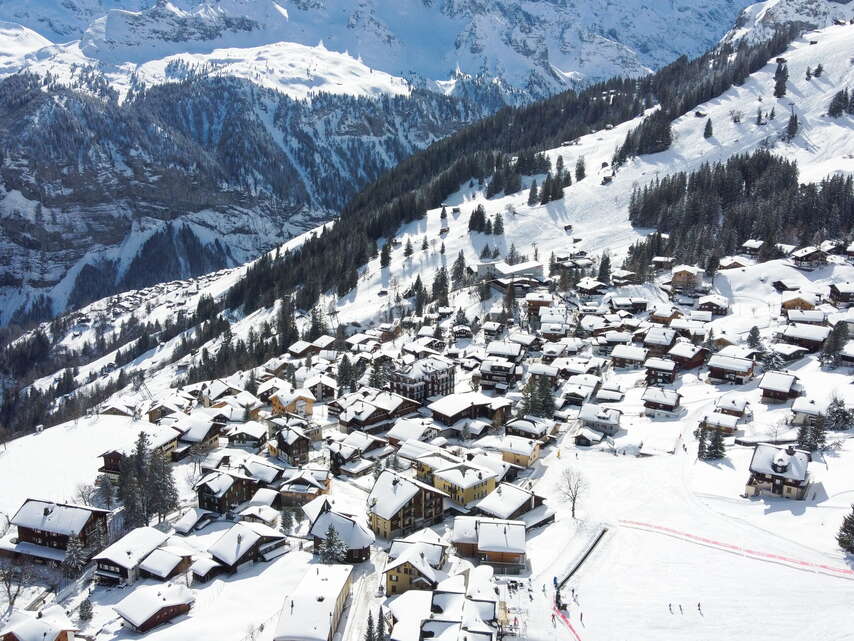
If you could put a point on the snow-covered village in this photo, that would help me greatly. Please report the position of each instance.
(589, 384)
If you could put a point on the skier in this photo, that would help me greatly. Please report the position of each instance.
(670, 607)
(680, 609)
(699, 609)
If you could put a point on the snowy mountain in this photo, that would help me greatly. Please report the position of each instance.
(759, 20)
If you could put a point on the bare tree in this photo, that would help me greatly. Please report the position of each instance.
(571, 486)
(14, 577)
(87, 494)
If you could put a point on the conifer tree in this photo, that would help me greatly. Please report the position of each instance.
(332, 548)
(345, 374)
(546, 191)
(753, 339)
(533, 195)
(701, 445)
(380, 634)
(792, 127)
(707, 130)
(781, 75)
(498, 226)
(105, 491)
(487, 228)
(546, 398)
(819, 69)
(75, 558)
(163, 497)
(580, 169)
(716, 449)
(839, 417)
(286, 519)
(845, 536)
(407, 250)
(819, 432)
(484, 291)
(804, 438)
(370, 635)
(85, 611)
(486, 252)
(424, 244)
(838, 104)
(604, 274)
(385, 255)
(458, 271)
(377, 377)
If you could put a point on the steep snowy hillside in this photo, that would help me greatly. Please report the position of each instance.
(759, 20)
(61, 21)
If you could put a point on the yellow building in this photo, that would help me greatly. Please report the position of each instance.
(299, 401)
(464, 483)
(519, 451)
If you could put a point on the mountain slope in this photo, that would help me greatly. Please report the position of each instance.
(598, 213)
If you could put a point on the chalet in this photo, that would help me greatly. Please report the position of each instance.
(494, 542)
(541, 372)
(778, 471)
(301, 349)
(462, 331)
(534, 301)
(511, 351)
(492, 329)
(685, 277)
(628, 356)
(732, 404)
(398, 505)
(356, 536)
(808, 258)
(730, 369)
(324, 388)
(534, 427)
(778, 387)
(733, 262)
(511, 502)
(45, 529)
(151, 605)
(516, 450)
(600, 418)
(196, 430)
(299, 487)
(664, 314)
(247, 542)
(806, 411)
(290, 445)
(810, 337)
(413, 565)
(752, 247)
(49, 624)
(119, 563)
(658, 399)
(293, 401)
(418, 429)
(314, 609)
(162, 440)
(585, 437)
(660, 371)
(530, 342)
(588, 287)
(118, 408)
(498, 373)
(687, 355)
(786, 285)
(251, 434)
(726, 423)
(659, 340)
(718, 305)
(622, 277)
(370, 409)
(661, 263)
(799, 300)
(552, 351)
(842, 294)
(463, 482)
(470, 405)
(220, 491)
(806, 316)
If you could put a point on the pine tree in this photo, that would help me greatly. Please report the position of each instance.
(546, 191)
(701, 445)
(839, 417)
(759, 116)
(781, 75)
(286, 520)
(332, 548)
(818, 70)
(370, 635)
(345, 374)
(380, 627)
(487, 228)
(377, 377)
(845, 536)
(105, 490)
(163, 495)
(486, 252)
(707, 131)
(809, 73)
(385, 255)
(498, 226)
(604, 274)
(75, 558)
(424, 244)
(546, 398)
(85, 611)
(533, 196)
(831, 350)
(580, 169)
(819, 432)
(407, 250)
(484, 291)
(717, 449)
(804, 438)
(838, 104)
(792, 127)
(317, 327)
(458, 271)
(753, 339)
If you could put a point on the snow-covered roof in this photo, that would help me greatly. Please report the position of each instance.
(504, 500)
(658, 335)
(663, 364)
(310, 608)
(788, 463)
(465, 475)
(239, 539)
(630, 353)
(190, 518)
(533, 425)
(160, 563)
(597, 414)
(809, 406)
(777, 382)
(59, 518)
(719, 419)
(732, 402)
(660, 395)
(355, 534)
(133, 547)
(45, 625)
(815, 333)
(730, 363)
(501, 536)
(392, 491)
(147, 600)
